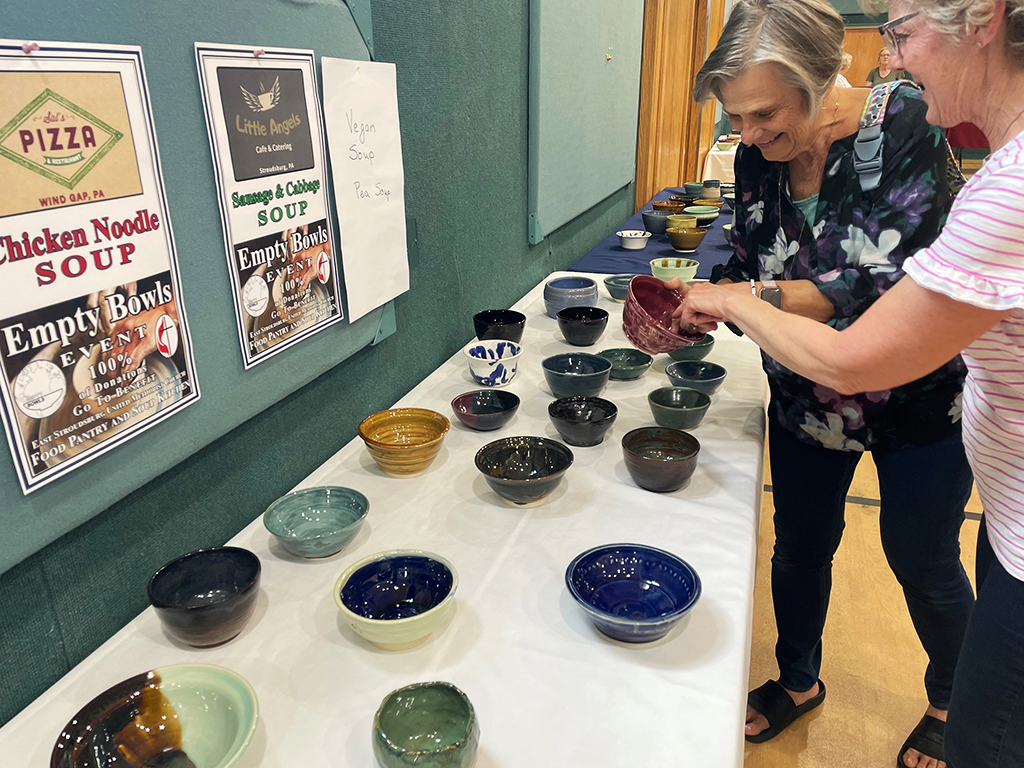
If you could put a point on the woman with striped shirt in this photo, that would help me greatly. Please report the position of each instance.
(966, 292)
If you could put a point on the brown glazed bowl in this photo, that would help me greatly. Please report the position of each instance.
(647, 316)
(206, 597)
(660, 459)
(404, 441)
(685, 238)
(674, 206)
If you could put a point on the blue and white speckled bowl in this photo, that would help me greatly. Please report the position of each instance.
(494, 362)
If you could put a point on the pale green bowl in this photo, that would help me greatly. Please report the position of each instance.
(426, 725)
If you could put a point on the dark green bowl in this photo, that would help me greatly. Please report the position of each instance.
(696, 351)
(627, 363)
(427, 725)
(678, 407)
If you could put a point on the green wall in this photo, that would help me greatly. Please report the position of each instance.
(462, 81)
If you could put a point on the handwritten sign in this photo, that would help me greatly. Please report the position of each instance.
(361, 115)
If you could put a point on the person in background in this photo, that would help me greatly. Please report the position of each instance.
(847, 62)
(964, 292)
(883, 73)
(803, 220)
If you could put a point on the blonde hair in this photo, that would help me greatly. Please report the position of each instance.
(804, 37)
(845, 61)
(955, 18)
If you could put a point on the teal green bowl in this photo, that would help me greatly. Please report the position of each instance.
(426, 725)
(696, 351)
(316, 522)
(627, 363)
(185, 715)
(678, 407)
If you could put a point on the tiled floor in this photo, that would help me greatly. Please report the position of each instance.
(873, 663)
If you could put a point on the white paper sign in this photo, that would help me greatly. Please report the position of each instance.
(263, 116)
(361, 115)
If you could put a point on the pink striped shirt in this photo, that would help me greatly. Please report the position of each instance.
(979, 259)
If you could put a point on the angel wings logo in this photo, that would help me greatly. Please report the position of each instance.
(267, 99)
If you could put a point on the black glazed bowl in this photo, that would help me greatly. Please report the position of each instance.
(524, 470)
(582, 421)
(576, 373)
(504, 324)
(485, 409)
(582, 326)
(659, 459)
(206, 597)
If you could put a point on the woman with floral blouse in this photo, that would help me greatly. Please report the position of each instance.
(824, 239)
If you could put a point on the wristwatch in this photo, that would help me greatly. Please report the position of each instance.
(771, 293)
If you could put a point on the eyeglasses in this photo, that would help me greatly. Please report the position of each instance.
(892, 38)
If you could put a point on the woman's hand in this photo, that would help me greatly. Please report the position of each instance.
(703, 306)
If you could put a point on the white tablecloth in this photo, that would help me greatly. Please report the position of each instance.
(550, 692)
(719, 164)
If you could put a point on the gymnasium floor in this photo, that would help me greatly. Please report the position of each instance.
(873, 663)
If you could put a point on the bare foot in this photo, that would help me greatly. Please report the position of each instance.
(756, 722)
(912, 758)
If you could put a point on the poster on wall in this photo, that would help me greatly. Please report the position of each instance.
(269, 159)
(94, 342)
(361, 113)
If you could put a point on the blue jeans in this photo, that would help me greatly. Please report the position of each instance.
(986, 715)
(924, 491)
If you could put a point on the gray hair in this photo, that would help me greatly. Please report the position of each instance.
(955, 18)
(804, 37)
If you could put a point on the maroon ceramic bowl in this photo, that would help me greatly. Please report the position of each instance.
(647, 316)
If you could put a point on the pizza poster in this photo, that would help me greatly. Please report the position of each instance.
(269, 158)
(94, 341)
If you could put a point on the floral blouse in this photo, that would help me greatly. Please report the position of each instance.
(853, 250)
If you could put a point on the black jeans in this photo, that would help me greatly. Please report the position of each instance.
(986, 715)
(923, 492)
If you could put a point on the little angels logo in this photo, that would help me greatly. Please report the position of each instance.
(57, 139)
(267, 99)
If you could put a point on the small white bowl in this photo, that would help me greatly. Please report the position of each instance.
(728, 230)
(494, 362)
(633, 239)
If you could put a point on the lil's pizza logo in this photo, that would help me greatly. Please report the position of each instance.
(57, 139)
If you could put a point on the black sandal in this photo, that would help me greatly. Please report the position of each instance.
(773, 702)
(928, 738)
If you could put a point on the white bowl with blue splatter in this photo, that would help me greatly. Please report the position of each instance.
(494, 362)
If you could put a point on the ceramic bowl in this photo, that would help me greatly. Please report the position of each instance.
(696, 351)
(206, 597)
(396, 599)
(688, 199)
(633, 593)
(647, 316)
(499, 324)
(693, 188)
(705, 213)
(426, 725)
(678, 407)
(576, 373)
(627, 363)
(618, 285)
(696, 374)
(655, 221)
(316, 522)
(565, 292)
(686, 238)
(724, 146)
(582, 421)
(730, 200)
(674, 206)
(486, 409)
(711, 189)
(633, 239)
(181, 715)
(404, 441)
(582, 326)
(524, 471)
(727, 228)
(493, 362)
(681, 221)
(667, 268)
(718, 203)
(660, 459)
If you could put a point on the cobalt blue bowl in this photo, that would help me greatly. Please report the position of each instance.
(633, 593)
(485, 409)
(576, 373)
(565, 292)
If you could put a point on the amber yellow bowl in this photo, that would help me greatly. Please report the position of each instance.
(404, 441)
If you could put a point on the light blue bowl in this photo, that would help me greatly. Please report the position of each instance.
(316, 522)
(565, 292)
(655, 222)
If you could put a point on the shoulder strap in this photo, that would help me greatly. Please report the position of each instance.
(867, 147)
